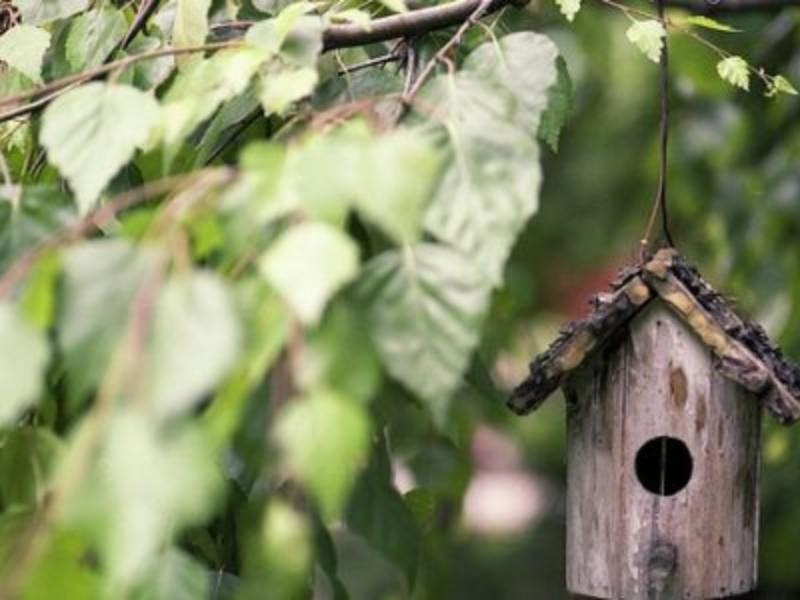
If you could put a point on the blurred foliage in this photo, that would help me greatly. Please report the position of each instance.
(266, 375)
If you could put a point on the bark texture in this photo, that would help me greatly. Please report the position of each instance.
(742, 351)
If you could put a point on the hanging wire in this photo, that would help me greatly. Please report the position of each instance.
(660, 200)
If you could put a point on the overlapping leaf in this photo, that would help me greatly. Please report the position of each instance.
(424, 305)
(92, 131)
(491, 185)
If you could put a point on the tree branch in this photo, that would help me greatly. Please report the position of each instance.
(146, 10)
(410, 24)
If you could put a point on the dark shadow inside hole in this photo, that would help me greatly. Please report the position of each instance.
(664, 466)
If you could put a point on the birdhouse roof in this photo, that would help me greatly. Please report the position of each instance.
(741, 349)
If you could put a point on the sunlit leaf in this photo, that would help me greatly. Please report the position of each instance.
(101, 279)
(307, 265)
(397, 6)
(201, 86)
(175, 484)
(92, 131)
(191, 22)
(23, 358)
(735, 71)
(708, 23)
(178, 576)
(280, 90)
(39, 12)
(386, 194)
(285, 527)
(569, 8)
(780, 85)
(195, 340)
(324, 429)
(648, 36)
(23, 48)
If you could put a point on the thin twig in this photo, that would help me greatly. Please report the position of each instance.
(146, 10)
(56, 87)
(372, 62)
(481, 9)
(94, 221)
(78, 461)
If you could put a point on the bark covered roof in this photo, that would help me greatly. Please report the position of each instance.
(741, 349)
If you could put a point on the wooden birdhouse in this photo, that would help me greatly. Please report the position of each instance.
(665, 386)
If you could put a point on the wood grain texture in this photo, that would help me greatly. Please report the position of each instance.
(657, 379)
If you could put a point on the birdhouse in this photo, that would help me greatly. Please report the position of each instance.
(665, 386)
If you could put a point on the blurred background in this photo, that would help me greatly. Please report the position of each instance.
(734, 191)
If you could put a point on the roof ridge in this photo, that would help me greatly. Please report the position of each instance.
(742, 350)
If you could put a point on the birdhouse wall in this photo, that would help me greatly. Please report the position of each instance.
(623, 541)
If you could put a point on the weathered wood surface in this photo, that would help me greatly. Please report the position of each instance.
(743, 351)
(626, 542)
(577, 341)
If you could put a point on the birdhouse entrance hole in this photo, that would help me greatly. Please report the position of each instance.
(664, 465)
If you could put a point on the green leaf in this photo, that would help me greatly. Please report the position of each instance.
(201, 86)
(23, 48)
(491, 185)
(147, 74)
(569, 8)
(63, 567)
(523, 65)
(191, 23)
(39, 297)
(195, 341)
(735, 71)
(92, 131)
(280, 90)
(27, 456)
(287, 572)
(307, 265)
(266, 325)
(560, 99)
(386, 194)
(100, 280)
(273, 35)
(780, 85)
(398, 6)
(355, 373)
(175, 484)
(324, 438)
(424, 306)
(23, 359)
(178, 576)
(40, 12)
(649, 37)
(378, 513)
(93, 36)
(709, 23)
(39, 213)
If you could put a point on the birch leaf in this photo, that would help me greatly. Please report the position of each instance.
(735, 71)
(648, 36)
(569, 8)
(23, 48)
